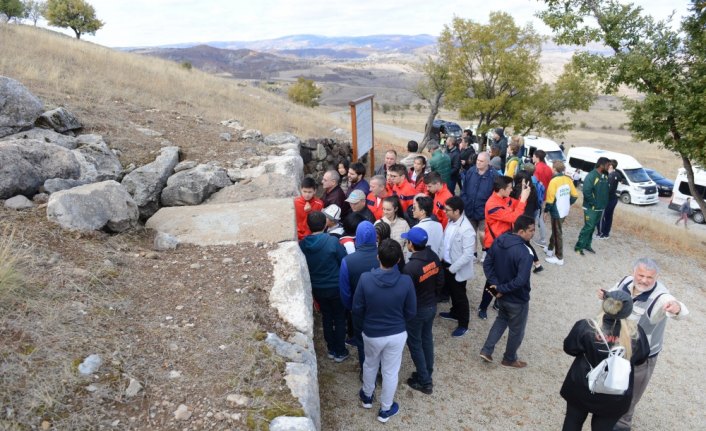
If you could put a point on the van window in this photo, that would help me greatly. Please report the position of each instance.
(585, 166)
(684, 189)
(555, 155)
(636, 175)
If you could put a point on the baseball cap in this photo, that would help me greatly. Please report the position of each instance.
(356, 196)
(416, 236)
(333, 212)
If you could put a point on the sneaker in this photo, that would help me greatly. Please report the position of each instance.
(496, 307)
(351, 342)
(482, 257)
(366, 402)
(579, 251)
(459, 332)
(330, 354)
(486, 357)
(605, 237)
(590, 250)
(482, 314)
(426, 389)
(342, 357)
(555, 260)
(447, 316)
(537, 269)
(548, 252)
(514, 364)
(385, 415)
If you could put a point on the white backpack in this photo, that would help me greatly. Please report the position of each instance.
(612, 375)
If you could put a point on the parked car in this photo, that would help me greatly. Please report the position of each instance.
(664, 186)
(448, 128)
(682, 191)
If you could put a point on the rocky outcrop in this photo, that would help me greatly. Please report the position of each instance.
(19, 108)
(45, 135)
(146, 183)
(100, 206)
(193, 186)
(282, 138)
(59, 119)
(26, 164)
(98, 162)
(54, 185)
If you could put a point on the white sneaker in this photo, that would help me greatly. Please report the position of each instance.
(549, 253)
(554, 260)
(482, 257)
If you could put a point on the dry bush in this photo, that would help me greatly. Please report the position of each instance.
(10, 278)
(58, 68)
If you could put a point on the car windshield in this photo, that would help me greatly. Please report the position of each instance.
(656, 176)
(555, 155)
(636, 175)
(453, 129)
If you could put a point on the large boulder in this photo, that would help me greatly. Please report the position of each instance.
(99, 206)
(26, 164)
(45, 135)
(53, 185)
(98, 162)
(281, 138)
(59, 119)
(192, 186)
(145, 183)
(19, 108)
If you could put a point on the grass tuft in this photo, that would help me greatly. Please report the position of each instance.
(10, 278)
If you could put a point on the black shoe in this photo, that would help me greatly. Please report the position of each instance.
(537, 269)
(426, 389)
(496, 307)
(590, 250)
(579, 251)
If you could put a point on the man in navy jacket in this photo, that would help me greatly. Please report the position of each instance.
(477, 188)
(507, 268)
(384, 301)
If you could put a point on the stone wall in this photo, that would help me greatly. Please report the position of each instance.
(321, 155)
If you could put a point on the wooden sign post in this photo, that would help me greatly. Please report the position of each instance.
(362, 126)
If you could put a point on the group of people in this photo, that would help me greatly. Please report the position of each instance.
(383, 253)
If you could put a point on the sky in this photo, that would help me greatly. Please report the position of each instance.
(131, 23)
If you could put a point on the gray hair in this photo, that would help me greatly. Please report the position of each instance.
(378, 179)
(646, 263)
(334, 175)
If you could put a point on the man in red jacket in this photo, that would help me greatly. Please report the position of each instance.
(441, 194)
(397, 178)
(501, 211)
(378, 192)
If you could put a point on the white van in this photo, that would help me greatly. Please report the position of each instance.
(681, 192)
(534, 143)
(636, 187)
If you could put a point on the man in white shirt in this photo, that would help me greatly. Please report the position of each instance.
(457, 257)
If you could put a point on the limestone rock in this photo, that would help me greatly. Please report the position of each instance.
(186, 164)
(98, 162)
(233, 124)
(252, 134)
(237, 400)
(192, 186)
(59, 119)
(302, 381)
(290, 294)
(133, 388)
(290, 423)
(273, 185)
(182, 413)
(105, 205)
(163, 241)
(19, 108)
(45, 135)
(26, 164)
(145, 183)
(225, 137)
(18, 202)
(281, 139)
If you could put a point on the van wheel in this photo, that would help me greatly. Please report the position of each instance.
(625, 198)
(699, 217)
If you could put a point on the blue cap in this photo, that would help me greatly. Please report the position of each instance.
(416, 236)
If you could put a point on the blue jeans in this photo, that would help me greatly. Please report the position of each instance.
(420, 342)
(333, 319)
(512, 315)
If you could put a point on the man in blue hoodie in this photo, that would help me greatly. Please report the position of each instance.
(363, 259)
(507, 268)
(323, 255)
(384, 301)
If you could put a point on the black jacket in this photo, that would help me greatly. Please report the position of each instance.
(583, 343)
(427, 275)
(508, 265)
(455, 156)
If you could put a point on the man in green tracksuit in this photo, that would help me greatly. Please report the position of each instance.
(440, 162)
(595, 199)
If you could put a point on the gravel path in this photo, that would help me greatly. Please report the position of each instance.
(471, 395)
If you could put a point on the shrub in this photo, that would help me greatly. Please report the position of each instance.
(186, 65)
(10, 278)
(304, 92)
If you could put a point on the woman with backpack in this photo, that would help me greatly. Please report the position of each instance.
(589, 342)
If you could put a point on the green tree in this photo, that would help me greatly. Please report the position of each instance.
(34, 9)
(304, 92)
(667, 66)
(12, 8)
(494, 73)
(77, 15)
